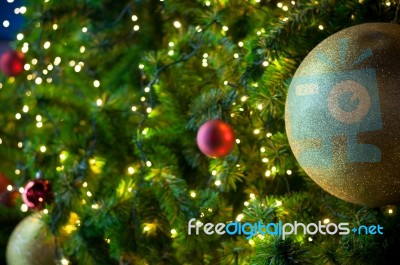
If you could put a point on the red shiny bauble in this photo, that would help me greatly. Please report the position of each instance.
(12, 63)
(37, 193)
(215, 138)
(7, 197)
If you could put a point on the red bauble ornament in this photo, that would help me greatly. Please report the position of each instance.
(12, 63)
(7, 197)
(215, 138)
(36, 193)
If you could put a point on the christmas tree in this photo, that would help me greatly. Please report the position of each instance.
(102, 124)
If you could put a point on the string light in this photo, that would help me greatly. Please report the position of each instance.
(141, 66)
(24, 208)
(99, 102)
(20, 145)
(390, 211)
(171, 44)
(289, 172)
(20, 36)
(269, 135)
(96, 83)
(18, 116)
(43, 149)
(256, 131)
(25, 49)
(136, 27)
(217, 182)
(22, 10)
(265, 160)
(89, 194)
(246, 203)
(177, 24)
(239, 217)
(134, 18)
(237, 141)
(134, 108)
(6, 23)
(240, 44)
(174, 233)
(131, 170)
(193, 194)
(225, 28)
(84, 29)
(214, 172)
(265, 63)
(278, 203)
(64, 261)
(46, 45)
(55, 26)
(252, 196)
(148, 163)
(57, 61)
(63, 156)
(326, 221)
(268, 173)
(321, 27)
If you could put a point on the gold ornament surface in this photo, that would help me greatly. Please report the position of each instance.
(343, 114)
(29, 243)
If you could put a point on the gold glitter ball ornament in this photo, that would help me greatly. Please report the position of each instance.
(30, 243)
(343, 114)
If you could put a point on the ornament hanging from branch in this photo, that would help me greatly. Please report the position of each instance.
(215, 138)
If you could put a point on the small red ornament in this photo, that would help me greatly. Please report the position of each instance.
(12, 63)
(215, 138)
(7, 196)
(36, 193)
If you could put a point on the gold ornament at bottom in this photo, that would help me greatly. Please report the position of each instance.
(30, 243)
